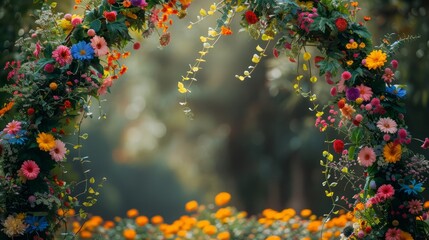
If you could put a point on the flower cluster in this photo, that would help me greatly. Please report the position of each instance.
(218, 221)
(67, 60)
(366, 109)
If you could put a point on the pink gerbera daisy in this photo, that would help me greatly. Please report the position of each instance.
(59, 151)
(30, 169)
(393, 234)
(387, 125)
(62, 55)
(105, 85)
(12, 127)
(415, 206)
(99, 45)
(385, 191)
(365, 92)
(366, 156)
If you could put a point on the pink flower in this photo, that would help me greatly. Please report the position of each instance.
(415, 206)
(385, 191)
(59, 151)
(105, 85)
(346, 75)
(366, 156)
(100, 46)
(62, 55)
(394, 63)
(341, 87)
(30, 169)
(12, 127)
(388, 75)
(37, 50)
(425, 144)
(365, 92)
(76, 21)
(387, 125)
(393, 234)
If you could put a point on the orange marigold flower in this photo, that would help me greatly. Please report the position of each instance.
(6, 108)
(126, 54)
(224, 236)
(129, 233)
(132, 213)
(222, 198)
(392, 152)
(85, 234)
(141, 221)
(108, 225)
(157, 219)
(347, 111)
(272, 237)
(191, 206)
(225, 30)
(355, 4)
(209, 229)
(305, 212)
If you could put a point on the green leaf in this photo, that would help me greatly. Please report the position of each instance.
(96, 25)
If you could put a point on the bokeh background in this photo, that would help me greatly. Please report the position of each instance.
(255, 139)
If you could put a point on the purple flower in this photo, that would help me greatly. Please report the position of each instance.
(352, 94)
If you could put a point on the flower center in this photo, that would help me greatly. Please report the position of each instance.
(82, 52)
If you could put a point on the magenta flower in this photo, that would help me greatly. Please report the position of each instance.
(62, 55)
(425, 144)
(30, 169)
(385, 191)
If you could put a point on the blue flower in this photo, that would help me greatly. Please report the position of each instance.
(82, 51)
(36, 224)
(412, 188)
(396, 90)
(18, 138)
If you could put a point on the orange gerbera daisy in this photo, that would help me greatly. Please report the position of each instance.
(392, 152)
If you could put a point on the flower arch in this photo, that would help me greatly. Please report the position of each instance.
(71, 60)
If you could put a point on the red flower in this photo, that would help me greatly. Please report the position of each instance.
(251, 17)
(341, 24)
(110, 16)
(317, 59)
(111, 1)
(30, 111)
(67, 104)
(338, 146)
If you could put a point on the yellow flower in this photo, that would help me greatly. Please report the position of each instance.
(13, 226)
(256, 58)
(362, 45)
(222, 198)
(354, 45)
(376, 59)
(181, 87)
(191, 206)
(307, 56)
(46, 141)
(392, 152)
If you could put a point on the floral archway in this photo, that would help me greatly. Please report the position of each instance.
(72, 60)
